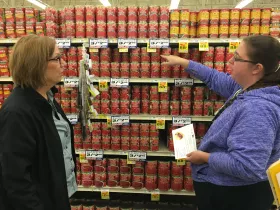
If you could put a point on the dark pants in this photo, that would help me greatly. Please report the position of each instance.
(250, 197)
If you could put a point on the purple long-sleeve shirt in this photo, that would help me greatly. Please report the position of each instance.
(245, 139)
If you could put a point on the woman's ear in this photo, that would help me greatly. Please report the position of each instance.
(258, 70)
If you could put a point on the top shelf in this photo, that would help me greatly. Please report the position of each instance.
(143, 41)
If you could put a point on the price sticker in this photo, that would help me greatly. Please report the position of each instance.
(98, 43)
(181, 121)
(123, 50)
(183, 47)
(127, 43)
(93, 50)
(63, 42)
(71, 81)
(109, 122)
(155, 196)
(162, 86)
(181, 162)
(82, 157)
(120, 120)
(103, 85)
(73, 118)
(183, 82)
(119, 82)
(160, 123)
(105, 194)
(203, 46)
(159, 43)
(233, 46)
(130, 162)
(150, 49)
(94, 154)
(137, 156)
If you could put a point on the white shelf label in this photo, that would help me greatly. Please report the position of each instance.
(94, 154)
(98, 43)
(119, 82)
(127, 43)
(181, 121)
(120, 120)
(63, 42)
(183, 82)
(137, 156)
(73, 118)
(159, 43)
(71, 81)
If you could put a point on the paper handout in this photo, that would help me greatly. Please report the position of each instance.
(184, 141)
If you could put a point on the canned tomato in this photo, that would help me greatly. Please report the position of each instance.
(193, 31)
(203, 31)
(122, 30)
(177, 183)
(223, 31)
(265, 15)
(153, 14)
(124, 69)
(187, 169)
(132, 30)
(113, 164)
(213, 31)
(176, 170)
(113, 179)
(138, 181)
(203, 17)
(154, 141)
(174, 107)
(175, 15)
(234, 16)
(186, 93)
(224, 16)
(153, 31)
(125, 180)
(145, 106)
(151, 182)
(151, 167)
(132, 14)
(163, 168)
(185, 15)
(188, 184)
(122, 14)
(174, 30)
(112, 30)
(198, 108)
(142, 30)
(233, 31)
(208, 108)
(264, 30)
(144, 143)
(143, 14)
(219, 66)
(201, 129)
(90, 13)
(145, 70)
(254, 29)
(164, 29)
(245, 16)
(164, 183)
(100, 180)
(101, 14)
(154, 107)
(255, 16)
(184, 30)
(124, 167)
(86, 167)
(243, 30)
(164, 108)
(112, 14)
(214, 16)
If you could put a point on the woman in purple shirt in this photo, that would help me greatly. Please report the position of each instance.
(229, 169)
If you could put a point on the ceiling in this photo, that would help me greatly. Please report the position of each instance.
(190, 4)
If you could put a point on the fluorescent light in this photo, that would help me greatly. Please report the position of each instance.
(38, 3)
(243, 3)
(105, 3)
(174, 4)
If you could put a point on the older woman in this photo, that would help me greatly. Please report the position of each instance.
(229, 170)
(36, 153)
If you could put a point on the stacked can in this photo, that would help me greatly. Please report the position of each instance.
(219, 58)
(80, 21)
(174, 23)
(214, 23)
(4, 60)
(134, 136)
(143, 22)
(113, 172)
(115, 138)
(100, 173)
(151, 175)
(193, 24)
(125, 174)
(198, 100)
(122, 22)
(224, 23)
(51, 22)
(188, 181)
(31, 21)
(72, 58)
(10, 22)
(154, 100)
(2, 23)
(207, 57)
(245, 16)
(135, 100)
(227, 59)
(164, 22)
(78, 143)
(138, 176)
(153, 29)
(203, 23)
(234, 23)
(86, 174)
(20, 22)
(265, 21)
(145, 99)
(186, 96)
(255, 21)
(132, 25)
(177, 172)
(90, 16)
(275, 22)
(101, 22)
(163, 175)
(184, 23)
(112, 22)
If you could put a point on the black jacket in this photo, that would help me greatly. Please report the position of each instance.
(32, 172)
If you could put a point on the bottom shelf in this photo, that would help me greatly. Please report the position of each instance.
(132, 190)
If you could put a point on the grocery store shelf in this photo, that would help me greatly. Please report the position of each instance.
(8, 41)
(132, 190)
(162, 152)
(155, 117)
(6, 79)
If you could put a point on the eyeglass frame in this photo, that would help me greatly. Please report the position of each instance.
(242, 60)
(57, 58)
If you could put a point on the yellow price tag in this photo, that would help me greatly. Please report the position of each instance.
(105, 194)
(181, 162)
(109, 122)
(233, 46)
(130, 162)
(93, 50)
(103, 85)
(155, 196)
(183, 47)
(162, 87)
(160, 124)
(150, 49)
(203, 46)
(82, 158)
(123, 50)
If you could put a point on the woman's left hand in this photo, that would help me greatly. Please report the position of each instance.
(198, 157)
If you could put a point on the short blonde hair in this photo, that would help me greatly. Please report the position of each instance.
(29, 60)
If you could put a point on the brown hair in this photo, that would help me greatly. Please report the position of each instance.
(29, 60)
(266, 51)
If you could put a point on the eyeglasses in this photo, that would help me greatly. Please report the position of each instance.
(236, 58)
(58, 58)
